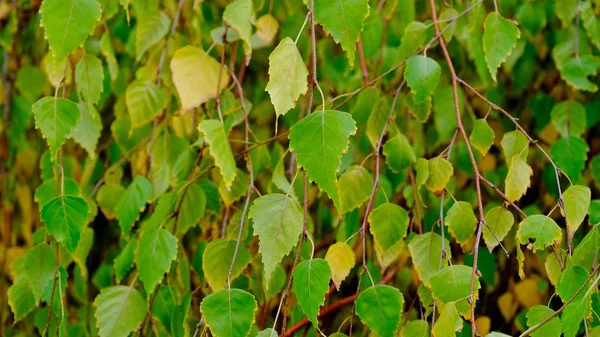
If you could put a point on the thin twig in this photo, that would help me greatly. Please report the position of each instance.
(473, 163)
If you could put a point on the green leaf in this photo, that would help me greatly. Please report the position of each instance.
(448, 323)
(216, 262)
(425, 250)
(340, 257)
(422, 75)
(311, 283)
(145, 101)
(277, 221)
(319, 140)
(413, 37)
(499, 38)
(287, 76)
(20, 299)
(500, 221)
(398, 153)
(354, 187)
(124, 261)
(444, 112)
(388, 224)
(56, 118)
(267, 333)
(570, 155)
(218, 144)
(107, 50)
(40, 271)
(440, 171)
(416, 328)
(240, 16)
(576, 202)
(67, 24)
(229, 312)
(574, 313)
(518, 179)
(119, 311)
(539, 228)
(238, 188)
(344, 20)
(461, 221)
(192, 209)
(65, 217)
(47, 190)
(89, 76)
(566, 11)
(584, 254)
(133, 202)
(165, 149)
(420, 111)
(576, 71)
(538, 314)
(196, 76)
(151, 27)
(482, 136)
(380, 307)
(569, 118)
(88, 129)
(571, 280)
(453, 284)
(108, 198)
(156, 250)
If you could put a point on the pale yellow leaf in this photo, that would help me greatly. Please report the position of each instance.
(340, 257)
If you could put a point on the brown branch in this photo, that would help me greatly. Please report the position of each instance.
(472, 158)
(363, 63)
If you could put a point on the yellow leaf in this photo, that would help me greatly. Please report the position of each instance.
(440, 171)
(518, 178)
(508, 306)
(483, 324)
(267, 27)
(340, 257)
(527, 293)
(196, 76)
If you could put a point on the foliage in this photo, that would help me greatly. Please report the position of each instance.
(299, 168)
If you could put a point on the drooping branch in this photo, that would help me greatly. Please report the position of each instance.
(462, 131)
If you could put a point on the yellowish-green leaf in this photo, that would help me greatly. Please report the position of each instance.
(576, 202)
(518, 179)
(499, 220)
(538, 314)
(216, 261)
(89, 76)
(240, 16)
(461, 221)
(196, 76)
(151, 27)
(448, 323)
(398, 153)
(218, 144)
(156, 250)
(287, 76)
(354, 188)
(145, 101)
(452, 284)
(440, 171)
(119, 311)
(56, 118)
(229, 312)
(422, 75)
(380, 307)
(425, 250)
(482, 136)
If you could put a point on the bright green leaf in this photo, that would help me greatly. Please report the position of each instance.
(56, 118)
(425, 250)
(538, 314)
(453, 284)
(319, 140)
(461, 221)
(229, 312)
(65, 217)
(216, 262)
(440, 171)
(354, 187)
(576, 202)
(482, 136)
(448, 323)
(145, 101)
(277, 221)
(422, 75)
(215, 136)
(380, 307)
(133, 202)
(569, 118)
(388, 224)
(499, 38)
(398, 153)
(311, 283)
(119, 311)
(499, 220)
(156, 250)
(539, 228)
(89, 76)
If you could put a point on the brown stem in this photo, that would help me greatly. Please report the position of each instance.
(363, 63)
(471, 156)
(411, 175)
